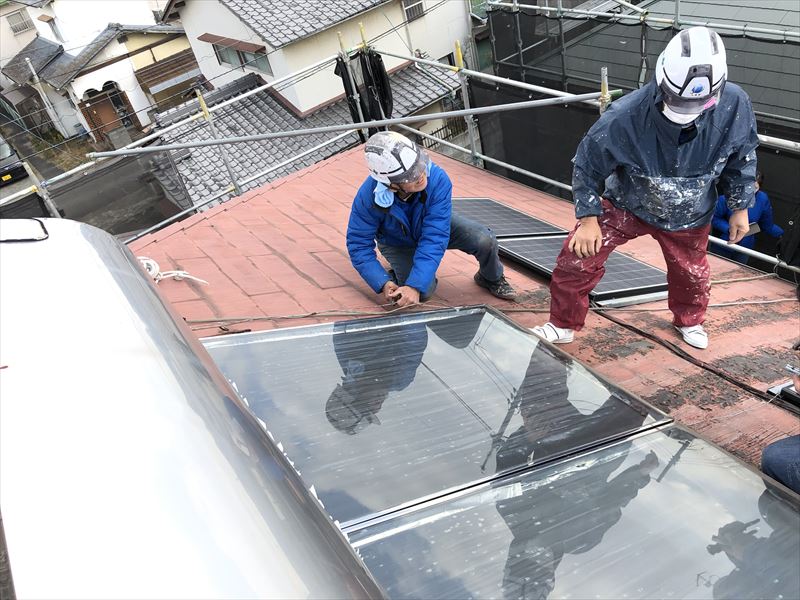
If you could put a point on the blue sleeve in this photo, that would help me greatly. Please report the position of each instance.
(592, 165)
(765, 221)
(721, 216)
(738, 178)
(361, 230)
(435, 233)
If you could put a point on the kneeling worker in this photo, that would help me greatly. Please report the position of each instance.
(405, 206)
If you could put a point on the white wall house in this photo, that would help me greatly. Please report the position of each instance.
(224, 34)
(94, 74)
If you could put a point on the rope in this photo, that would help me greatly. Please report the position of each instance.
(155, 272)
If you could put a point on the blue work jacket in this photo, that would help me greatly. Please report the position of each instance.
(760, 212)
(644, 163)
(421, 222)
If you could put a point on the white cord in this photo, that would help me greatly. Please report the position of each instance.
(154, 271)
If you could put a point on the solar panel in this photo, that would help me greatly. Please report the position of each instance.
(503, 220)
(664, 515)
(625, 276)
(377, 414)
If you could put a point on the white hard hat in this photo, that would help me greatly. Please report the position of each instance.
(692, 70)
(393, 158)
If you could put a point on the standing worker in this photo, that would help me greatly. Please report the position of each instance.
(405, 205)
(651, 165)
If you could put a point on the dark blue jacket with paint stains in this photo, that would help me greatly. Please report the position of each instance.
(642, 162)
(422, 222)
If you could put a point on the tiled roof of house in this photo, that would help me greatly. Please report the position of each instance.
(203, 170)
(67, 66)
(279, 251)
(33, 3)
(281, 22)
(41, 52)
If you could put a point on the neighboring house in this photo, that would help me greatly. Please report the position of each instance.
(102, 79)
(240, 44)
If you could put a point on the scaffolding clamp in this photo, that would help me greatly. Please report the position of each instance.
(203, 105)
(459, 56)
(605, 97)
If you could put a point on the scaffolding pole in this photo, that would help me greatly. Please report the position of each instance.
(465, 97)
(754, 253)
(229, 189)
(352, 126)
(198, 115)
(222, 152)
(491, 160)
(783, 33)
(495, 79)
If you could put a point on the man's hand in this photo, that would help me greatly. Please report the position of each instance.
(587, 239)
(739, 225)
(389, 290)
(405, 296)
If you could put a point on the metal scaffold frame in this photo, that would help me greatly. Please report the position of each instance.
(597, 99)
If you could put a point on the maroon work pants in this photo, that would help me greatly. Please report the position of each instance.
(687, 269)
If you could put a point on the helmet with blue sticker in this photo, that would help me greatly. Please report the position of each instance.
(393, 158)
(692, 70)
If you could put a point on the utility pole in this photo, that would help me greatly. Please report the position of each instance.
(49, 108)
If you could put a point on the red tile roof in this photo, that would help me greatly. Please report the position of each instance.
(279, 251)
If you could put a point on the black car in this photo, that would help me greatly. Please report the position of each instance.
(11, 167)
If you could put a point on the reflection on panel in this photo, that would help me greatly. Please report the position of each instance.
(664, 515)
(381, 412)
(503, 220)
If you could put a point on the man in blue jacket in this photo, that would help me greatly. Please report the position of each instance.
(651, 165)
(405, 206)
(760, 213)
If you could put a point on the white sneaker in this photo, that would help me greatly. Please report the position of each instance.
(694, 335)
(553, 334)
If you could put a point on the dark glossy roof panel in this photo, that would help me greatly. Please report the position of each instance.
(383, 412)
(664, 515)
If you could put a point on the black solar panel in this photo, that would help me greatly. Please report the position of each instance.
(625, 275)
(503, 220)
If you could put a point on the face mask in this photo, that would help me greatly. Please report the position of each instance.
(677, 117)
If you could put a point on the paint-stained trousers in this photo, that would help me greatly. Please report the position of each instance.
(687, 269)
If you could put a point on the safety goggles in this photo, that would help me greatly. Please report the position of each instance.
(697, 93)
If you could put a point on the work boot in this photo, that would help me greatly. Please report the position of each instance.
(553, 334)
(500, 288)
(694, 335)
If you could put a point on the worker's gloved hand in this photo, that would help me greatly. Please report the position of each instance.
(388, 291)
(405, 296)
(739, 225)
(587, 239)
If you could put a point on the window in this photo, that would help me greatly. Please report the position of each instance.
(19, 22)
(239, 58)
(227, 55)
(414, 9)
(256, 61)
(448, 59)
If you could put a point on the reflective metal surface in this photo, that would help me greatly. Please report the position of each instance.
(127, 466)
(379, 413)
(664, 515)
